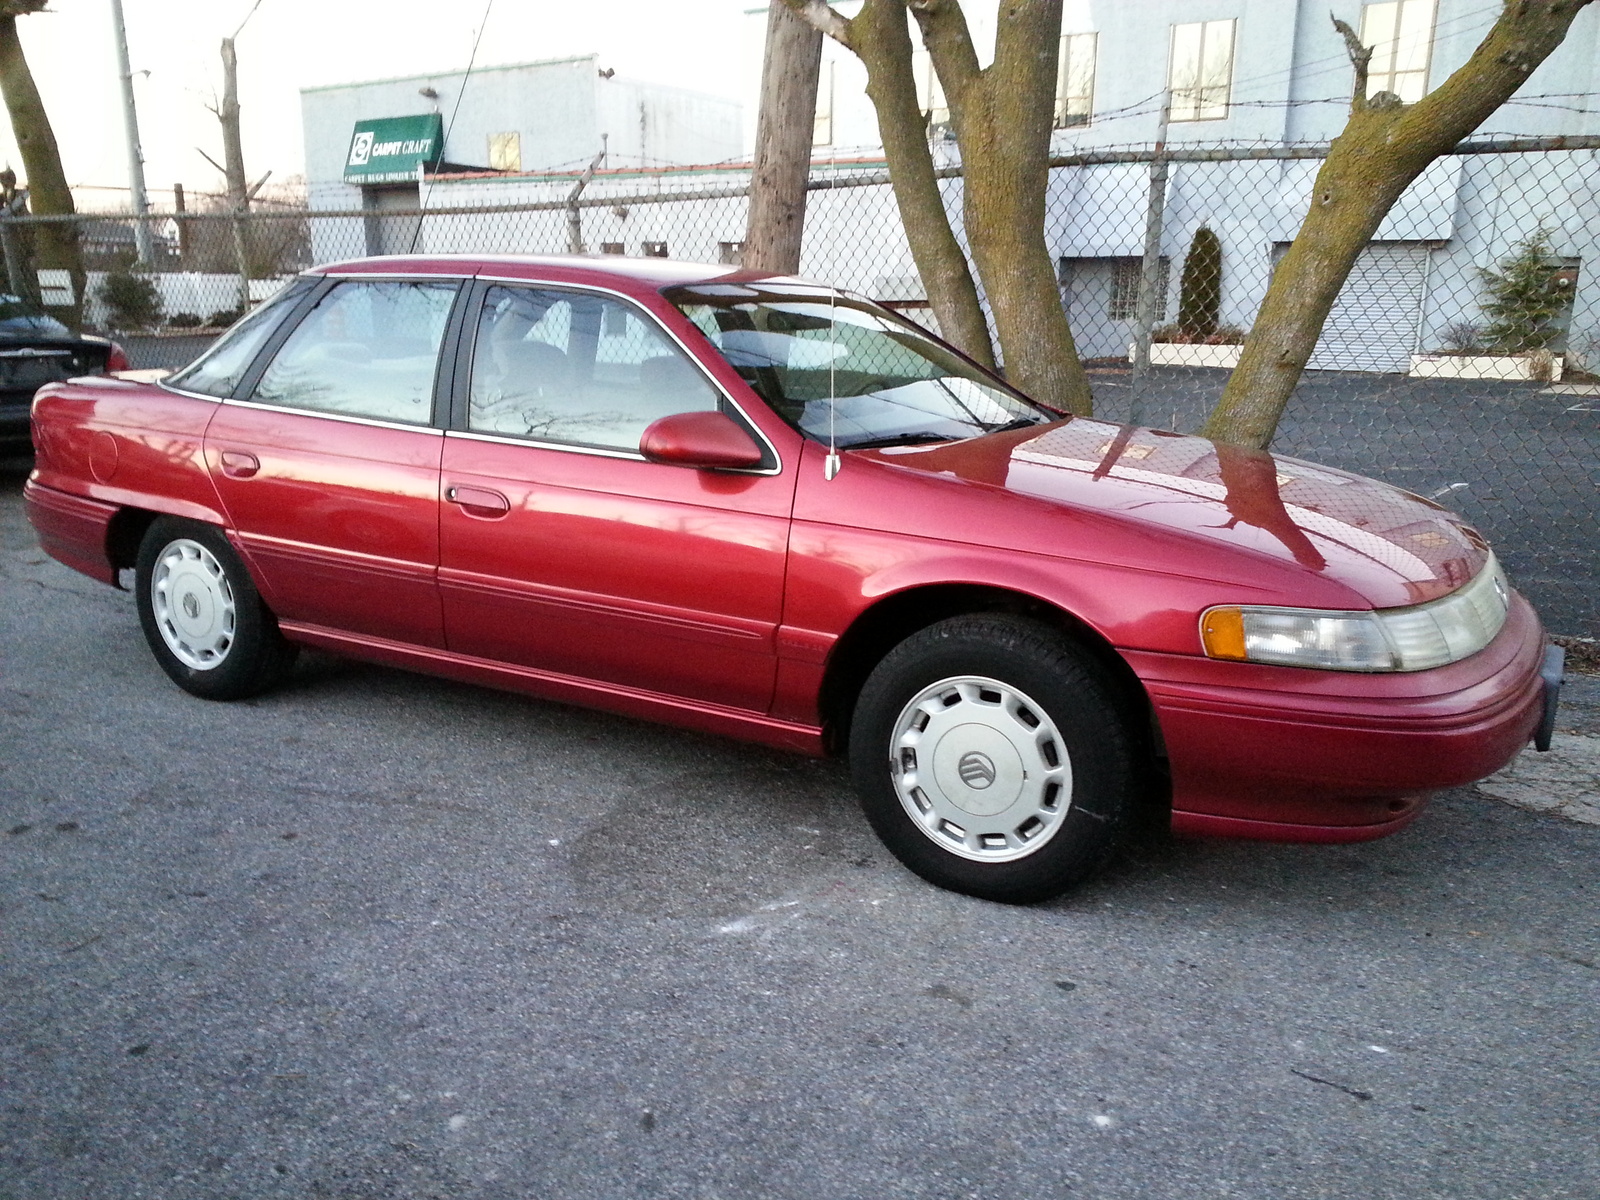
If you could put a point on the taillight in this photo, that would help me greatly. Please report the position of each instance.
(117, 358)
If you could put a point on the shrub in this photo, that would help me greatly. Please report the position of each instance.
(1222, 335)
(131, 299)
(1200, 289)
(224, 317)
(1527, 296)
(183, 320)
(1462, 337)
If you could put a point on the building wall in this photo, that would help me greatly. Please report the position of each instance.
(1291, 80)
(558, 108)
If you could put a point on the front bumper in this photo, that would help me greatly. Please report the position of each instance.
(1290, 754)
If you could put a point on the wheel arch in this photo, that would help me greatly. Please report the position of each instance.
(892, 618)
(124, 532)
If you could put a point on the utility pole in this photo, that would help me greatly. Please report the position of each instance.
(1145, 308)
(784, 132)
(130, 118)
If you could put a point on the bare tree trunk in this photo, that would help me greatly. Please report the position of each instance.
(228, 116)
(1384, 146)
(880, 36)
(48, 193)
(1002, 116)
(783, 142)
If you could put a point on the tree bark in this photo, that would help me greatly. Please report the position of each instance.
(48, 194)
(1385, 145)
(1002, 116)
(232, 146)
(880, 36)
(783, 143)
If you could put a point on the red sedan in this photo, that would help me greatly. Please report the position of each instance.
(759, 507)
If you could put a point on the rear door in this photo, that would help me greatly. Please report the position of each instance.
(562, 548)
(329, 465)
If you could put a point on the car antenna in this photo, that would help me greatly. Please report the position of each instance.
(831, 464)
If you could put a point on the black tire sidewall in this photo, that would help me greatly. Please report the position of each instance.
(1079, 700)
(257, 653)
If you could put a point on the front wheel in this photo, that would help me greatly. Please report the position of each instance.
(206, 624)
(993, 758)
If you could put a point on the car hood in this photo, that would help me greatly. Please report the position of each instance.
(1390, 546)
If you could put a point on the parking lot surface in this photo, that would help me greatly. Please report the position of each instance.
(381, 936)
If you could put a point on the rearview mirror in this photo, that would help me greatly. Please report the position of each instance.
(706, 440)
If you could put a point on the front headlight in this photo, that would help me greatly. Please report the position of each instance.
(1390, 639)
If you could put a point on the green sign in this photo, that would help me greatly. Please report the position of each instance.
(389, 150)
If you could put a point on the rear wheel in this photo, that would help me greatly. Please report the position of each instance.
(993, 758)
(204, 620)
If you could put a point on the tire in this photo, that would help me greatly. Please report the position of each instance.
(993, 757)
(206, 623)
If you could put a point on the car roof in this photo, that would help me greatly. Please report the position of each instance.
(602, 269)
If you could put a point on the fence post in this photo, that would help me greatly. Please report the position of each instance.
(16, 267)
(1145, 310)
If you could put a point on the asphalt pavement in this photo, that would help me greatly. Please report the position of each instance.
(381, 936)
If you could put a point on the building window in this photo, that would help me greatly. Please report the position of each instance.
(1124, 302)
(1075, 80)
(730, 253)
(822, 123)
(930, 95)
(1401, 36)
(611, 248)
(655, 249)
(1201, 74)
(505, 151)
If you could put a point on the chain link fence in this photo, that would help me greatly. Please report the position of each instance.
(1461, 361)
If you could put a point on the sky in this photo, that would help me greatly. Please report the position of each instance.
(290, 44)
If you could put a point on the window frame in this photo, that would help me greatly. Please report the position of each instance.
(822, 118)
(1199, 88)
(457, 424)
(1063, 62)
(1426, 70)
(312, 287)
(445, 354)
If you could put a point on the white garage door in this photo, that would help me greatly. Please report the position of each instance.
(1374, 322)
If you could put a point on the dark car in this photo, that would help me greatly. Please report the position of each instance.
(36, 349)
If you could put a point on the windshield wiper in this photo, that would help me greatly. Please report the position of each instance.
(904, 439)
(1019, 423)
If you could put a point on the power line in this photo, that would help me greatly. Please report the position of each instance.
(461, 91)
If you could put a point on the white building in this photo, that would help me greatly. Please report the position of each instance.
(368, 144)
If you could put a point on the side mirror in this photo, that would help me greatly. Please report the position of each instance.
(700, 439)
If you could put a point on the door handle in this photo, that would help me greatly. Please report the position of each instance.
(478, 502)
(236, 464)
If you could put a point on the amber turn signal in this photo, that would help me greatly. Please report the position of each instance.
(1222, 633)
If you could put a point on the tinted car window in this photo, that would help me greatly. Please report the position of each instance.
(570, 367)
(847, 372)
(218, 371)
(368, 349)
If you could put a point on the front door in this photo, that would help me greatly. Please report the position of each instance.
(329, 470)
(561, 548)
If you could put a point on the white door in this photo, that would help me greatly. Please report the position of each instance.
(1375, 321)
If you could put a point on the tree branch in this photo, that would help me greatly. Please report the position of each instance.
(821, 17)
(209, 159)
(1360, 58)
(949, 43)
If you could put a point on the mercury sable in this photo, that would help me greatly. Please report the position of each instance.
(761, 507)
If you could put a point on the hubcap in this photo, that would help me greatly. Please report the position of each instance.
(980, 769)
(193, 604)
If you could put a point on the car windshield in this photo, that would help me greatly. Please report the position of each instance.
(846, 372)
(20, 316)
